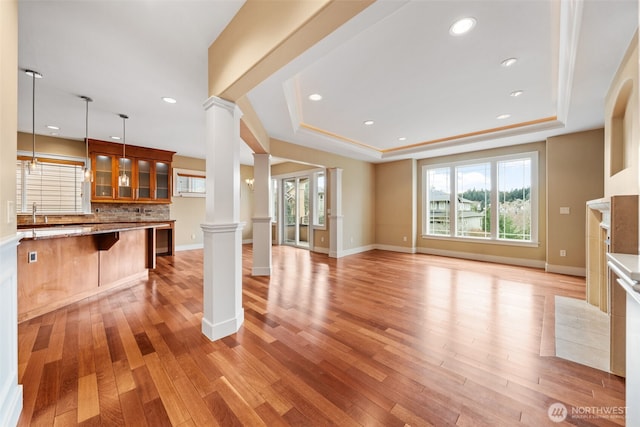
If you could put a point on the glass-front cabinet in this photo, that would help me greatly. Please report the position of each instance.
(144, 180)
(163, 178)
(103, 185)
(143, 176)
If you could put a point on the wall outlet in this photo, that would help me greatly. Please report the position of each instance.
(193, 236)
(33, 257)
(563, 252)
(404, 238)
(565, 211)
(322, 239)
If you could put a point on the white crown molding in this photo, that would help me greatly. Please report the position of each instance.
(569, 37)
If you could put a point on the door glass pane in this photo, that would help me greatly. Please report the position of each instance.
(290, 212)
(473, 200)
(303, 211)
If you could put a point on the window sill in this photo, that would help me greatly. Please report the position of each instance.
(482, 241)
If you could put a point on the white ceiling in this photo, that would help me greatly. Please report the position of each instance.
(395, 63)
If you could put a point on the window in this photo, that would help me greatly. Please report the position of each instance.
(473, 189)
(188, 183)
(55, 189)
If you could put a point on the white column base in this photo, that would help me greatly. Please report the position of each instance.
(261, 247)
(222, 304)
(222, 329)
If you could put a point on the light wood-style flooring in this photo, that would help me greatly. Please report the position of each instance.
(374, 339)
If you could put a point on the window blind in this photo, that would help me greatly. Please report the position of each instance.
(56, 189)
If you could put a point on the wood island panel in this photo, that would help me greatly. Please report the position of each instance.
(69, 269)
(64, 268)
(126, 258)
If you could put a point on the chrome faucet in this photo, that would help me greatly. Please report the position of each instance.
(34, 208)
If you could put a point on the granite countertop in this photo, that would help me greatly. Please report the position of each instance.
(84, 229)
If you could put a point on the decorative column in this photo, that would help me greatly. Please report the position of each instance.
(222, 313)
(262, 217)
(335, 215)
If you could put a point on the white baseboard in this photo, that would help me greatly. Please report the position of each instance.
(522, 262)
(247, 241)
(565, 269)
(357, 250)
(391, 248)
(321, 250)
(189, 247)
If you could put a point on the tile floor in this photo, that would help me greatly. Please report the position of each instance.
(582, 333)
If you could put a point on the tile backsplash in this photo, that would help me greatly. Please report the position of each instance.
(107, 212)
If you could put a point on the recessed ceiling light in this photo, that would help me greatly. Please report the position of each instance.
(315, 97)
(462, 26)
(516, 93)
(169, 100)
(31, 73)
(52, 127)
(402, 138)
(503, 116)
(509, 62)
(368, 122)
(117, 138)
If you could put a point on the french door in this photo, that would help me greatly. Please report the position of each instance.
(295, 203)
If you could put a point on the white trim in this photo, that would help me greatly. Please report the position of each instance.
(403, 249)
(565, 269)
(485, 241)
(261, 271)
(222, 103)
(247, 241)
(11, 394)
(222, 329)
(320, 250)
(189, 247)
(222, 228)
(569, 39)
(354, 251)
(521, 262)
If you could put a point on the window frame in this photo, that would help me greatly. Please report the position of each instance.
(24, 208)
(494, 193)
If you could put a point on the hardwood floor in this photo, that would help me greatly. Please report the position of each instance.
(376, 339)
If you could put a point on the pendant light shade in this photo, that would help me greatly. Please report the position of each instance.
(88, 176)
(33, 165)
(123, 178)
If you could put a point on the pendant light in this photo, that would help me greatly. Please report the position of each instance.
(123, 178)
(33, 166)
(88, 176)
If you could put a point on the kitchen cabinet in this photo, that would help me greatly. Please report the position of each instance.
(148, 170)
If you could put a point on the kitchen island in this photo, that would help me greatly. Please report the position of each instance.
(64, 264)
